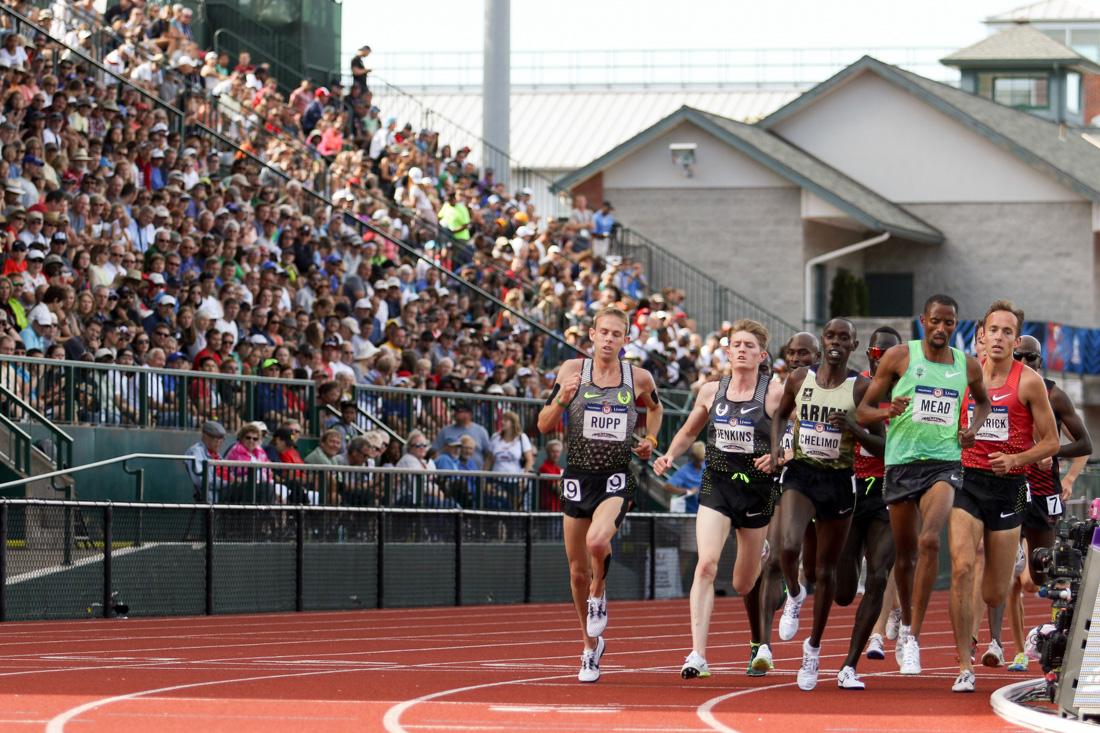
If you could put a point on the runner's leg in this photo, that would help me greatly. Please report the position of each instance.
(796, 514)
(711, 530)
(963, 536)
(935, 506)
(598, 542)
(768, 594)
(831, 534)
(580, 572)
(848, 565)
(880, 559)
(905, 525)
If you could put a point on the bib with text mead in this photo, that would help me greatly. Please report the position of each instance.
(818, 439)
(734, 436)
(605, 422)
(935, 405)
(995, 427)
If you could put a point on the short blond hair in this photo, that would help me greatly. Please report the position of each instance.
(614, 312)
(756, 328)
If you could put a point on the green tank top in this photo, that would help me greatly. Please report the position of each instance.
(928, 429)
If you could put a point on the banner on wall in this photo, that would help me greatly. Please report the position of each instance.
(1065, 348)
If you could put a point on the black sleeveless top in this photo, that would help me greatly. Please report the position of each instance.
(601, 423)
(738, 432)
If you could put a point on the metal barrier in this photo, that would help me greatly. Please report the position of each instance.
(60, 447)
(80, 559)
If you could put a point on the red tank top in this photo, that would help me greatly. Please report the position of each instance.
(864, 464)
(1008, 429)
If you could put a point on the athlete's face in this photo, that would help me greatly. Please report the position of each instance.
(802, 351)
(1030, 352)
(839, 339)
(608, 336)
(744, 351)
(1000, 335)
(939, 323)
(880, 343)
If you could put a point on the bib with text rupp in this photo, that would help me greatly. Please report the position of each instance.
(819, 439)
(935, 405)
(734, 436)
(605, 422)
(995, 427)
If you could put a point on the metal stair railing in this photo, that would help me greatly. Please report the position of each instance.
(16, 409)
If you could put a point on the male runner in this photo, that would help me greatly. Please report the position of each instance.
(802, 350)
(925, 380)
(738, 486)
(597, 487)
(869, 536)
(989, 507)
(818, 483)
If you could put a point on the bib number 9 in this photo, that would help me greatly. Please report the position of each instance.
(616, 482)
(571, 489)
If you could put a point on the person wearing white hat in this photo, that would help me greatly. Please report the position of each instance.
(41, 332)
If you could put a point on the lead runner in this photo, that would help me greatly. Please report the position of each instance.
(599, 395)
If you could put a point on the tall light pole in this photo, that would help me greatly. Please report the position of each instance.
(496, 83)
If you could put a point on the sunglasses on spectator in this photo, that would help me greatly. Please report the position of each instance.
(251, 437)
(418, 445)
(1027, 355)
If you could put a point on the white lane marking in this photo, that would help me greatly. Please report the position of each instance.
(583, 709)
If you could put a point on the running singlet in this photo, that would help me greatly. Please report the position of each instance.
(738, 432)
(601, 421)
(1048, 481)
(864, 464)
(816, 441)
(1008, 429)
(928, 429)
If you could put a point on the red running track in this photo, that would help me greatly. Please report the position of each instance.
(487, 668)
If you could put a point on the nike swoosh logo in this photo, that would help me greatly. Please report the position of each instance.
(753, 514)
(746, 410)
(845, 511)
(1010, 514)
(590, 395)
(998, 398)
(949, 375)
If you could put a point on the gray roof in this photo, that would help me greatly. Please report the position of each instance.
(1060, 152)
(1018, 45)
(786, 160)
(1048, 10)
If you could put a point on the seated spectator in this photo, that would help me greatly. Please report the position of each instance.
(420, 490)
(549, 493)
(253, 485)
(203, 476)
(464, 425)
(283, 449)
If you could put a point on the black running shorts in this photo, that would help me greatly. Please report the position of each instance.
(747, 502)
(832, 491)
(1043, 512)
(910, 481)
(869, 502)
(582, 492)
(997, 501)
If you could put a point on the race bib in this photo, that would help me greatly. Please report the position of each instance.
(734, 436)
(616, 482)
(1054, 505)
(995, 427)
(787, 443)
(571, 489)
(605, 422)
(935, 406)
(818, 439)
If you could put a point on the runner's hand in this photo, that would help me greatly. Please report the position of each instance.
(1001, 463)
(838, 420)
(1046, 463)
(897, 406)
(569, 387)
(662, 464)
(1067, 487)
(644, 449)
(966, 438)
(763, 463)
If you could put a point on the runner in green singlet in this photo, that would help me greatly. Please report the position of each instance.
(927, 380)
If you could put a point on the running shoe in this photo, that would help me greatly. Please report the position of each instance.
(893, 624)
(788, 622)
(590, 662)
(910, 662)
(994, 656)
(1019, 663)
(899, 645)
(807, 673)
(760, 661)
(694, 666)
(874, 647)
(849, 680)
(597, 615)
(964, 682)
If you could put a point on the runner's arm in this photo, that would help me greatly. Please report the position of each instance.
(696, 421)
(982, 405)
(872, 437)
(893, 365)
(1075, 468)
(783, 412)
(646, 388)
(1071, 422)
(565, 386)
(1032, 392)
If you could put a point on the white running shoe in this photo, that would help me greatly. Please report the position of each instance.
(899, 645)
(590, 662)
(875, 649)
(597, 615)
(807, 673)
(964, 682)
(694, 666)
(910, 663)
(893, 624)
(762, 662)
(788, 622)
(849, 680)
(994, 656)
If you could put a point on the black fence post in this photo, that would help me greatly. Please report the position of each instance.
(108, 540)
(458, 557)
(3, 560)
(299, 559)
(652, 558)
(528, 552)
(380, 574)
(67, 533)
(209, 590)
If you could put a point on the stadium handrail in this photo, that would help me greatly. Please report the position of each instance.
(62, 442)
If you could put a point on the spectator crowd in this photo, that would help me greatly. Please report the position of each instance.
(317, 247)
